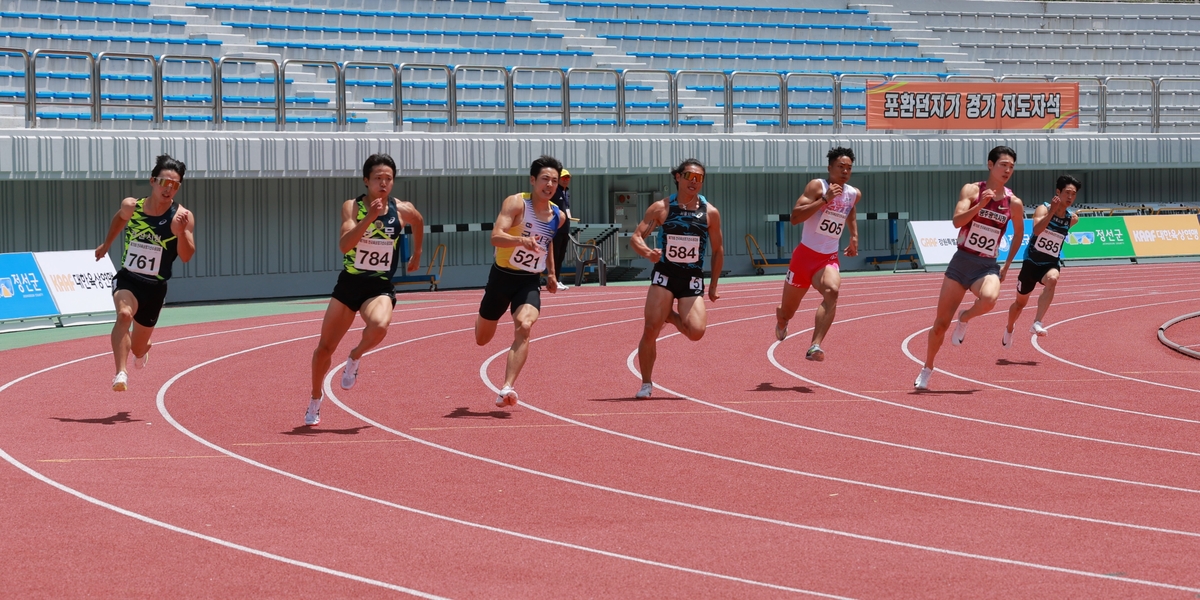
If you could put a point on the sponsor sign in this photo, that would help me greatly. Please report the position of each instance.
(937, 241)
(1098, 237)
(23, 290)
(1164, 235)
(78, 282)
(944, 105)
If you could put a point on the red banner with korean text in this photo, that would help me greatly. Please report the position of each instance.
(950, 105)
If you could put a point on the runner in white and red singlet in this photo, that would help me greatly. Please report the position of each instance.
(982, 212)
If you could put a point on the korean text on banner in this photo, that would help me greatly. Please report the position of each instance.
(23, 290)
(951, 105)
(1164, 235)
(79, 283)
(1098, 237)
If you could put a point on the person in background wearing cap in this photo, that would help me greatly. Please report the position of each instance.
(562, 198)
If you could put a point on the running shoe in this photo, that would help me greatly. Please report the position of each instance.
(562, 286)
(645, 391)
(507, 397)
(120, 382)
(139, 362)
(815, 353)
(312, 416)
(1037, 329)
(960, 333)
(922, 382)
(1007, 341)
(350, 373)
(781, 332)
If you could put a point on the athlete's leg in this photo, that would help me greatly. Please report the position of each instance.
(338, 318)
(658, 305)
(127, 306)
(789, 304)
(827, 282)
(484, 330)
(986, 290)
(139, 342)
(377, 314)
(523, 322)
(949, 298)
(692, 318)
(1049, 282)
(1014, 311)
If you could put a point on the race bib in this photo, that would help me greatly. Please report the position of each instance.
(683, 248)
(1049, 242)
(528, 260)
(373, 254)
(143, 258)
(831, 225)
(983, 239)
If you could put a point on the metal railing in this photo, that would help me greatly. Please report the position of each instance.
(1149, 111)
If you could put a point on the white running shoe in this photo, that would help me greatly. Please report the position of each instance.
(312, 416)
(562, 286)
(1038, 330)
(120, 382)
(507, 397)
(960, 333)
(645, 391)
(922, 382)
(781, 333)
(815, 353)
(350, 373)
(1007, 341)
(140, 362)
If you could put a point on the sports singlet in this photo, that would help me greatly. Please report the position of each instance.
(150, 246)
(823, 230)
(1047, 246)
(684, 235)
(520, 258)
(377, 251)
(981, 236)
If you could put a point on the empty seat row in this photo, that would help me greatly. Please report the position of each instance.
(351, 12)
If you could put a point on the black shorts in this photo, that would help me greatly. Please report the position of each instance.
(507, 288)
(1032, 274)
(682, 283)
(967, 268)
(355, 290)
(149, 295)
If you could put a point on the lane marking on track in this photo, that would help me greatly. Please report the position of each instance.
(316, 443)
(485, 427)
(121, 458)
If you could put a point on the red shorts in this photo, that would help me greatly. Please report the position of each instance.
(806, 263)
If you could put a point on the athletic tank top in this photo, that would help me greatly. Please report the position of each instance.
(823, 230)
(1047, 246)
(683, 236)
(150, 248)
(520, 258)
(377, 251)
(981, 236)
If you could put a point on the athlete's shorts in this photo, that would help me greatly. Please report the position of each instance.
(509, 289)
(1032, 274)
(967, 268)
(149, 295)
(355, 290)
(805, 263)
(682, 283)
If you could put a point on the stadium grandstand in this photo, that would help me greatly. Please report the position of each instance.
(274, 107)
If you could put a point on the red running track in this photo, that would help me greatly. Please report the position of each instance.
(1065, 466)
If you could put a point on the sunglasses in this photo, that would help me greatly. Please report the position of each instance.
(693, 176)
(169, 184)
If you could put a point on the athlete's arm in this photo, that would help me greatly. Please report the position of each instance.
(654, 218)
(119, 220)
(1041, 218)
(812, 200)
(967, 208)
(352, 228)
(718, 250)
(852, 227)
(410, 216)
(511, 213)
(1016, 207)
(184, 228)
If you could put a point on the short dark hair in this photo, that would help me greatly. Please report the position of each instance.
(838, 152)
(1065, 180)
(683, 165)
(999, 151)
(375, 160)
(164, 162)
(544, 161)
